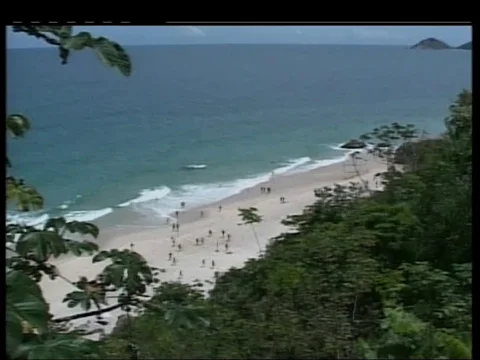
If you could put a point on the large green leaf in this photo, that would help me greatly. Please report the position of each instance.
(63, 31)
(90, 291)
(77, 248)
(113, 55)
(180, 315)
(78, 41)
(57, 224)
(77, 298)
(61, 347)
(250, 215)
(41, 244)
(25, 197)
(128, 270)
(25, 308)
(84, 228)
(17, 125)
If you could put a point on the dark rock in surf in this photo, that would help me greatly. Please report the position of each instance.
(354, 144)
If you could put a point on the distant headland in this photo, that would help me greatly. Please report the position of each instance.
(436, 44)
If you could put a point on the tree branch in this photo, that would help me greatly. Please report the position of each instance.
(87, 314)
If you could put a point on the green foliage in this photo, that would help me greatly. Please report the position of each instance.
(17, 125)
(405, 337)
(250, 216)
(109, 52)
(26, 309)
(128, 272)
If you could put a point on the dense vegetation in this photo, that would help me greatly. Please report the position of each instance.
(384, 276)
(388, 275)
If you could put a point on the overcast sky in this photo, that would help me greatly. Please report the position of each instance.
(153, 35)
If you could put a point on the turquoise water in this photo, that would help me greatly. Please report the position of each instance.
(100, 140)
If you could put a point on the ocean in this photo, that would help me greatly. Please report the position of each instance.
(119, 150)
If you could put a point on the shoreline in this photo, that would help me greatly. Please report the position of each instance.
(191, 215)
(199, 263)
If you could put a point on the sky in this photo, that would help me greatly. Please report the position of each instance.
(294, 34)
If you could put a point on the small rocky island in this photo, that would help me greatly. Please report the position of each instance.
(435, 44)
(466, 46)
(431, 44)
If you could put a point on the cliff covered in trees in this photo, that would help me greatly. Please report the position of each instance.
(387, 275)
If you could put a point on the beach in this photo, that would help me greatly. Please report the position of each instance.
(199, 263)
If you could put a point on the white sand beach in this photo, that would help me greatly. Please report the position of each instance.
(155, 243)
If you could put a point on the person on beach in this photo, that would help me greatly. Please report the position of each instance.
(169, 256)
(196, 241)
(180, 274)
(203, 262)
(210, 233)
(219, 208)
(226, 247)
(223, 233)
(178, 227)
(213, 264)
(229, 237)
(202, 240)
(179, 247)
(182, 204)
(174, 227)
(201, 213)
(131, 246)
(173, 241)
(268, 190)
(174, 261)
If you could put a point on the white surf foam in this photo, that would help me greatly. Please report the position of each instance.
(195, 166)
(320, 163)
(87, 215)
(38, 220)
(35, 219)
(66, 204)
(148, 195)
(293, 164)
(200, 194)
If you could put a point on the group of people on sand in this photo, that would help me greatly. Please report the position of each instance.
(198, 241)
(268, 190)
(265, 190)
